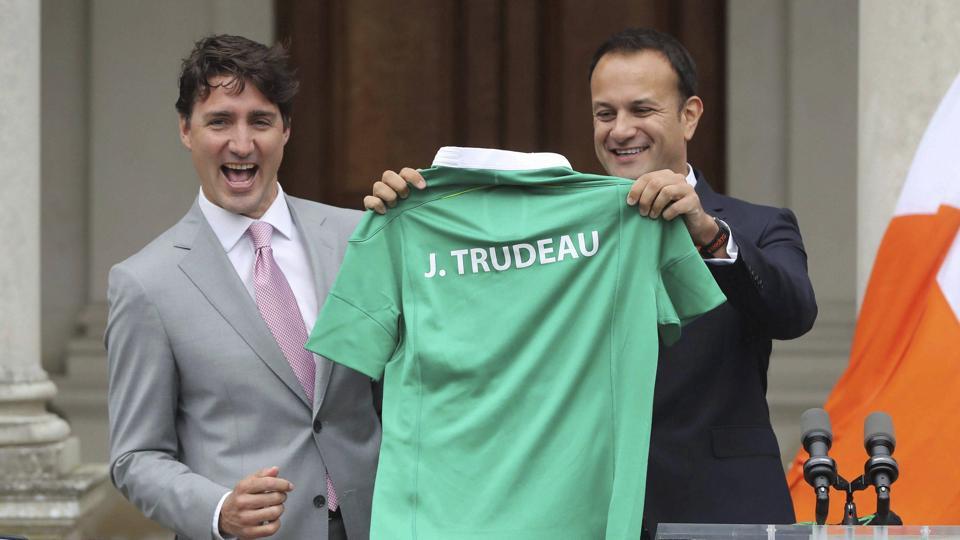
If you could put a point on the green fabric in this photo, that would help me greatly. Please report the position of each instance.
(517, 403)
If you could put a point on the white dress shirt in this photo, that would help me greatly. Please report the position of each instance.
(289, 252)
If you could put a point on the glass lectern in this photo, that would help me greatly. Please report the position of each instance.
(691, 531)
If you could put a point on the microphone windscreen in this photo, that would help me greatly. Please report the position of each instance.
(878, 424)
(815, 422)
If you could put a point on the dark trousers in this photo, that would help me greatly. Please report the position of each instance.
(336, 530)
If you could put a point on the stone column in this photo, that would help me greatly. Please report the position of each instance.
(792, 100)
(141, 180)
(43, 488)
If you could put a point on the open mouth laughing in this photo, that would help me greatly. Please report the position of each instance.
(239, 175)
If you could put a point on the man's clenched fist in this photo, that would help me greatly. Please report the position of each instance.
(254, 507)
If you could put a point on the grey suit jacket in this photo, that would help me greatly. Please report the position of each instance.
(201, 395)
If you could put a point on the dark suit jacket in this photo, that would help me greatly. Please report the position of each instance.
(713, 454)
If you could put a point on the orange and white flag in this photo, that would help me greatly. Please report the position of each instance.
(905, 358)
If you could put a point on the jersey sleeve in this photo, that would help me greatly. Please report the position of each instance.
(359, 324)
(686, 289)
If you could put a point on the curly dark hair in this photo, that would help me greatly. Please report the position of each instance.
(646, 39)
(242, 60)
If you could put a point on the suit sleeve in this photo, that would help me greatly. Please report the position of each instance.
(359, 324)
(769, 283)
(142, 398)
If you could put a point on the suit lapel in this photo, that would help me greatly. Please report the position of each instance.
(320, 251)
(208, 267)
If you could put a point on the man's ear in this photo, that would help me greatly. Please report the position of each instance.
(690, 116)
(286, 131)
(185, 132)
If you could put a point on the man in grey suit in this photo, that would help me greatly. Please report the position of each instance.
(221, 425)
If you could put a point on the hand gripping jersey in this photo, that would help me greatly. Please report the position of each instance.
(512, 310)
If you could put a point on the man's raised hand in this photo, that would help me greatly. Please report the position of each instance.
(667, 194)
(391, 186)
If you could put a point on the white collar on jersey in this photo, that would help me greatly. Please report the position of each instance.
(502, 160)
(507, 160)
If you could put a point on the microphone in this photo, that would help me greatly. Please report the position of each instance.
(881, 469)
(819, 470)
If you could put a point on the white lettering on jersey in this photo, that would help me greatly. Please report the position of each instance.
(531, 254)
(596, 244)
(433, 267)
(516, 256)
(459, 255)
(500, 267)
(566, 248)
(544, 247)
(478, 257)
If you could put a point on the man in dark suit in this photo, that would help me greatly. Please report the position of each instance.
(713, 454)
(714, 457)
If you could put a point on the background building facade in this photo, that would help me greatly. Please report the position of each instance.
(817, 105)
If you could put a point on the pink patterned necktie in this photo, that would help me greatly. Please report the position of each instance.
(279, 310)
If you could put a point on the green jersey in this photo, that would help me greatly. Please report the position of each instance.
(512, 310)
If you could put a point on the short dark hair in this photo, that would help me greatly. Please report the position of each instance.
(243, 60)
(647, 39)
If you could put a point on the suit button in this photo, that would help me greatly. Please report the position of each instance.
(319, 501)
(317, 426)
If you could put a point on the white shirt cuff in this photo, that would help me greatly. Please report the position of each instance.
(732, 250)
(216, 520)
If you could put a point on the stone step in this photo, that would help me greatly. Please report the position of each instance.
(803, 371)
(819, 378)
(85, 408)
(93, 320)
(86, 362)
(814, 349)
(838, 339)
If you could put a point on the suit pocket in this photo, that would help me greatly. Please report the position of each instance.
(744, 441)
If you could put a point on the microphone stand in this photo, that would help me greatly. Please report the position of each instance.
(850, 507)
(884, 516)
(822, 491)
